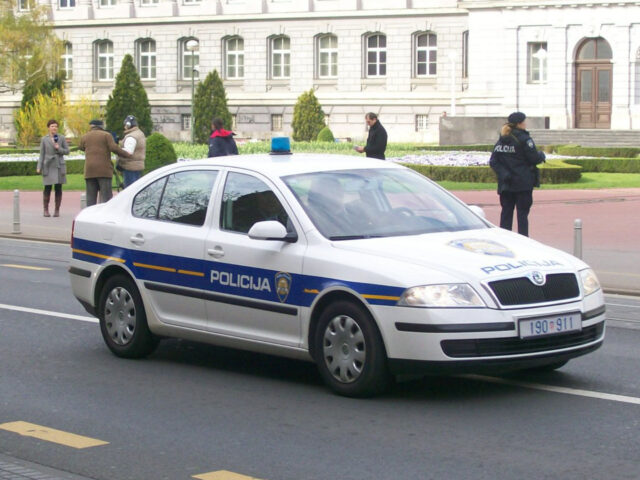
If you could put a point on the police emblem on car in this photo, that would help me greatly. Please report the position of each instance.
(283, 285)
(537, 278)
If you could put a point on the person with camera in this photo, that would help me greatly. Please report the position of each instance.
(53, 148)
(135, 143)
(515, 159)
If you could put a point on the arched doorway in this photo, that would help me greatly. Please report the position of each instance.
(593, 84)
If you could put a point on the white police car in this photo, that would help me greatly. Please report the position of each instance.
(363, 266)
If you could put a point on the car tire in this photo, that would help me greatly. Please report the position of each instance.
(349, 351)
(123, 321)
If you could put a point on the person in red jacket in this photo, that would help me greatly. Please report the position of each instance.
(221, 142)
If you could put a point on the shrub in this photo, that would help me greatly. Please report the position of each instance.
(31, 121)
(128, 98)
(209, 102)
(308, 117)
(609, 152)
(160, 152)
(606, 165)
(79, 114)
(11, 169)
(326, 135)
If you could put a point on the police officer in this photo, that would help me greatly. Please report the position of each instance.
(514, 160)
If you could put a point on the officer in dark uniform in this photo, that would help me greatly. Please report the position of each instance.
(514, 160)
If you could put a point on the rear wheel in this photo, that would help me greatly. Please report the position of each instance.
(123, 321)
(349, 351)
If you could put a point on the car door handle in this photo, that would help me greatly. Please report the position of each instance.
(137, 239)
(216, 252)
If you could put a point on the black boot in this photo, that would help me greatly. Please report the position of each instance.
(46, 196)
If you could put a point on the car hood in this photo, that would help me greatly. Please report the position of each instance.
(481, 255)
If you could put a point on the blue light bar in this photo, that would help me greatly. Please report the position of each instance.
(280, 146)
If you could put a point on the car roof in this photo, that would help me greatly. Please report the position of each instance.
(292, 164)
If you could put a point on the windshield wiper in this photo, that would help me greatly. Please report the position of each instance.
(354, 237)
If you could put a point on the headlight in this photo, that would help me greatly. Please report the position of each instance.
(448, 295)
(590, 283)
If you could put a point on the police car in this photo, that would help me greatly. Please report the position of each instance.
(363, 266)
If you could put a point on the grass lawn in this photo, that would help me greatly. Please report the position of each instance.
(589, 180)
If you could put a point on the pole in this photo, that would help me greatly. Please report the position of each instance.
(83, 201)
(16, 211)
(193, 71)
(577, 238)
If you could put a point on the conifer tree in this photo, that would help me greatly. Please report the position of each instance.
(308, 118)
(210, 101)
(128, 98)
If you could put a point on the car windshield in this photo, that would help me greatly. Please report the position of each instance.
(381, 202)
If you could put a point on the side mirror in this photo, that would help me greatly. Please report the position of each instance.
(478, 211)
(271, 230)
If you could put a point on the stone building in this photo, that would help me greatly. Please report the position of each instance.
(411, 61)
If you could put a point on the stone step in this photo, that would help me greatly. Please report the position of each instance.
(587, 138)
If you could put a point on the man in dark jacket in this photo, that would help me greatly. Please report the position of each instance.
(221, 142)
(514, 160)
(377, 139)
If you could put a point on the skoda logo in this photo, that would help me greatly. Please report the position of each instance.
(537, 278)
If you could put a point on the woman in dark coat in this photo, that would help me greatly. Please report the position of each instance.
(221, 142)
(53, 148)
(514, 160)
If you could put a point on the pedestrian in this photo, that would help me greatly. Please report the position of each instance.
(514, 160)
(53, 148)
(135, 143)
(98, 169)
(377, 139)
(221, 141)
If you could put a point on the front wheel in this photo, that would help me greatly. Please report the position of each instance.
(123, 321)
(349, 351)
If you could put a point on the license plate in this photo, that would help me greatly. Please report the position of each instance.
(552, 325)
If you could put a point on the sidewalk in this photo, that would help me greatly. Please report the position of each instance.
(610, 234)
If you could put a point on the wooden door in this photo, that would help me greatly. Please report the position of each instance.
(593, 95)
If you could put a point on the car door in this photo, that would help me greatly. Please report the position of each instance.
(165, 236)
(253, 281)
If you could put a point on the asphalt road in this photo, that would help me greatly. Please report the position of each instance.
(191, 409)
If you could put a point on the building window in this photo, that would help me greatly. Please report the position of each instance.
(276, 122)
(422, 122)
(146, 56)
(280, 57)
(191, 2)
(235, 58)
(376, 55)
(465, 54)
(186, 121)
(24, 5)
(148, 2)
(536, 65)
(327, 56)
(104, 63)
(107, 3)
(426, 54)
(66, 3)
(66, 62)
(190, 59)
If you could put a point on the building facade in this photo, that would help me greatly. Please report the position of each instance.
(410, 61)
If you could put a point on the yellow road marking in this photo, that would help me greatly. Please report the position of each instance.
(223, 475)
(25, 267)
(306, 290)
(92, 254)
(189, 272)
(51, 435)
(381, 297)
(154, 267)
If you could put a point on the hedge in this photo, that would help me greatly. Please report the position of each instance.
(608, 152)
(28, 167)
(554, 171)
(17, 151)
(452, 148)
(606, 165)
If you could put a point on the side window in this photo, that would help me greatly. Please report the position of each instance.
(186, 197)
(146, 202)
(247, 200)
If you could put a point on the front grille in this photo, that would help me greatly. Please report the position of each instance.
(521, 291)
(487, 347)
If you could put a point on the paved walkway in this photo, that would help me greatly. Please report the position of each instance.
(611, 225)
